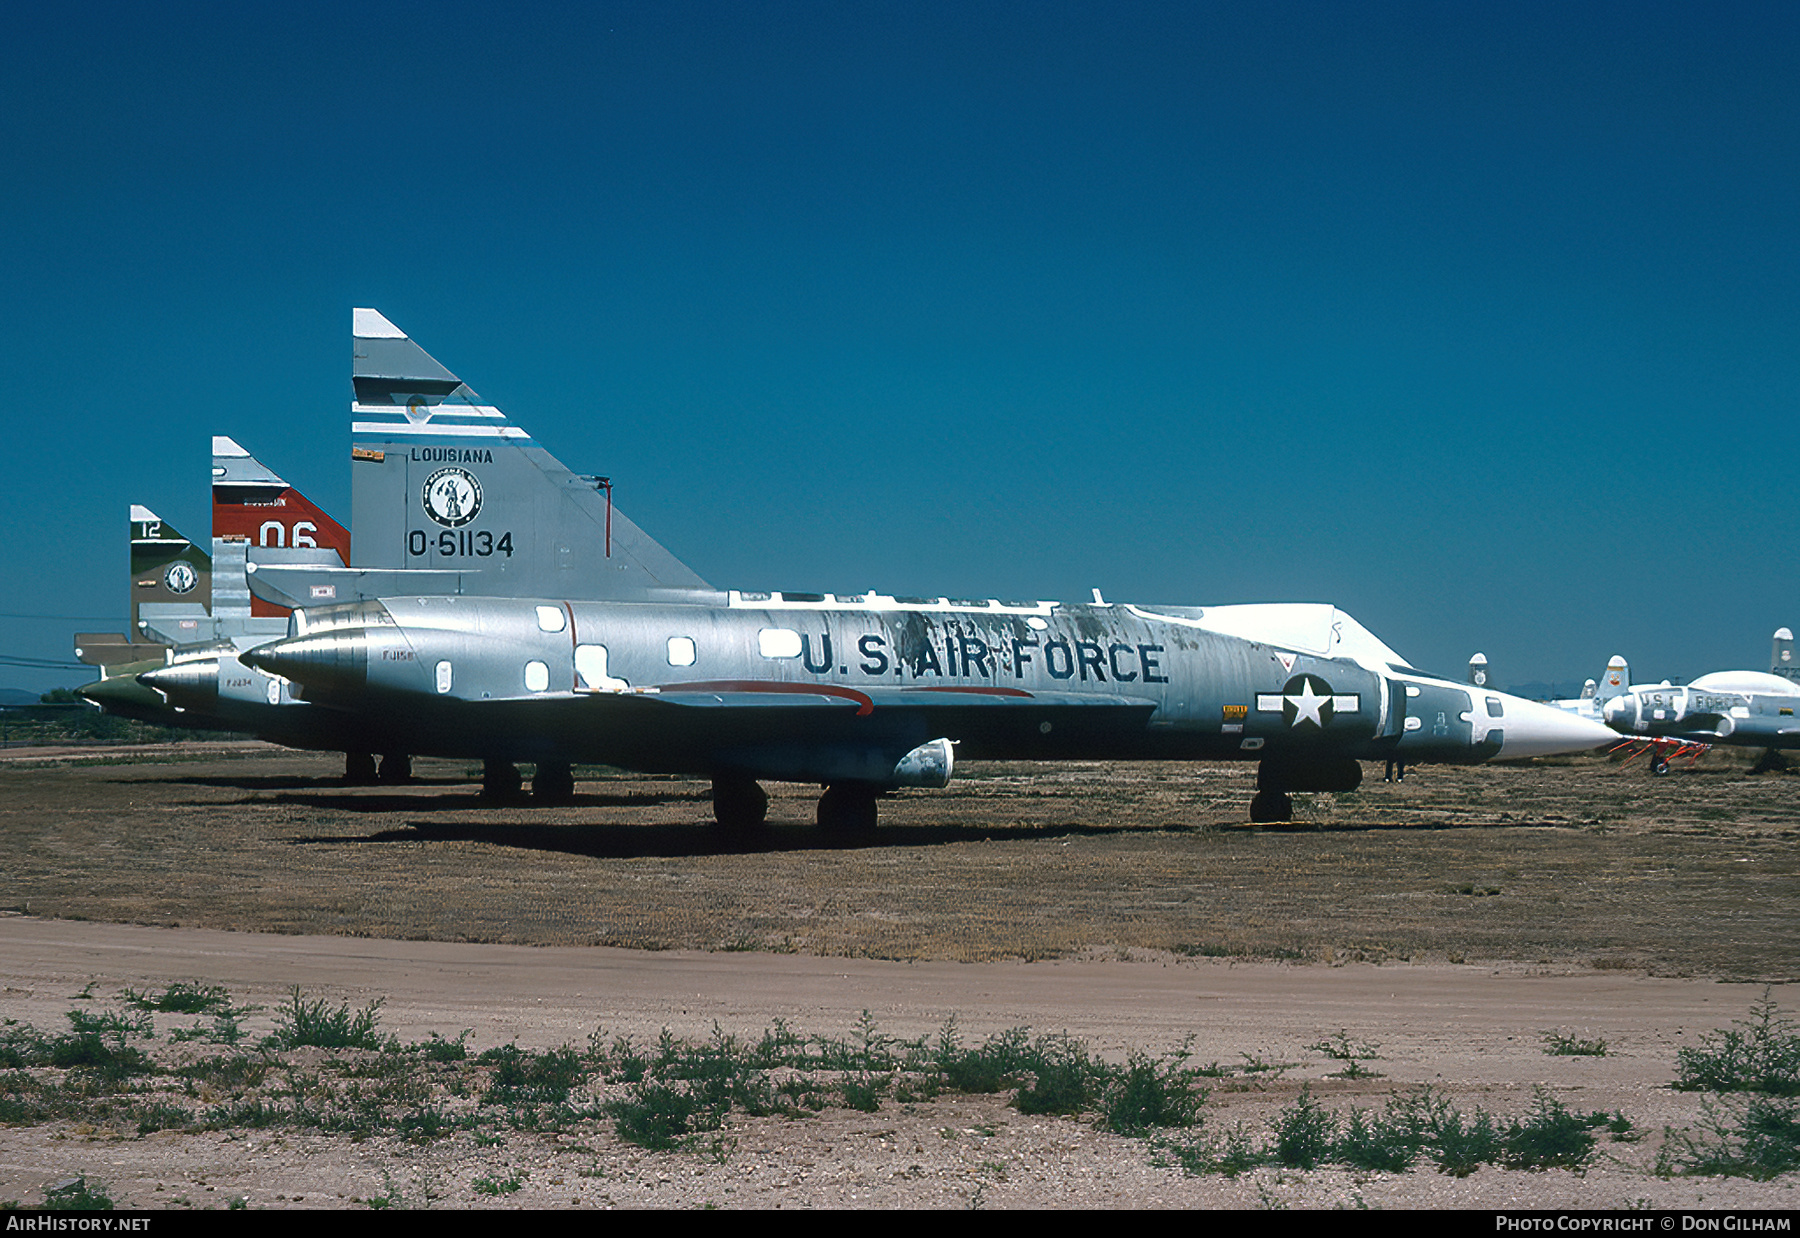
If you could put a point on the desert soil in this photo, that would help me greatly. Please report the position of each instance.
(1455, 920)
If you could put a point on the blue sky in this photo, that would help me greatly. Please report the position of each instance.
(1479, 320)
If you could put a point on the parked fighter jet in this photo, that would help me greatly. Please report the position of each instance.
(1752, 709)
(637, 662)
(529, 523)
(868, 693)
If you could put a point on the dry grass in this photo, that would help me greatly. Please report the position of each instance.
(1572, 861)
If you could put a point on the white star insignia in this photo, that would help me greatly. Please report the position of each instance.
(1307, 705)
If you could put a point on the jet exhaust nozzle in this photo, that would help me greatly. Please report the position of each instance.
(185, 683)
(122, 695)
(332, 661)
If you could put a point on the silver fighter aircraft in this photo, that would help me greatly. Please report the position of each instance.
(868, 693)
(1752, 709)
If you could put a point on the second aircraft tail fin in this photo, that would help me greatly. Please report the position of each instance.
(254, 509)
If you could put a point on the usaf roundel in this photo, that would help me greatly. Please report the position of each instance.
(1307, 700)
(180, 577)
(452, 497)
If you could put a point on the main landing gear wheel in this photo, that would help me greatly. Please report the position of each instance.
(500, 780)
(359, 769)
(1271, 806)
(396, 768)
(739, 804)
(848, 808)
(1659, 764)
(554, 783)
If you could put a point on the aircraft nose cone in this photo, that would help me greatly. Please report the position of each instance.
(334, 661)
(184, 682)
(1537, 730)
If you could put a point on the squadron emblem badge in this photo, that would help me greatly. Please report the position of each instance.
(452, 497)
(180, 577)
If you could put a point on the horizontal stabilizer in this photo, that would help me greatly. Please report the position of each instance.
(106, 649)
(292, 585)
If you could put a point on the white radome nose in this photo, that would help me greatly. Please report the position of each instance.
(1536, 730)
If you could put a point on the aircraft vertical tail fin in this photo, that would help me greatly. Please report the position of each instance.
(443, 481)
(1781, 657)
(254, 509)
(1616, 680)
(171, 582)
(156, 550)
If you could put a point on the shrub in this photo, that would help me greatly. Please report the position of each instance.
(659, 1116)
(316, 1023)
(1304, 1133)
(1550, 1136)
(1759, 1139)
(1064, 1079)
(1764, 1056)
(180, 998)
(1146, 1095)
(523, 1077)
(1562, 1044)
(1377, 1143)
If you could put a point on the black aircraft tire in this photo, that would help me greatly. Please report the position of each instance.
(848, 809)
(1659, 764)
(739, 804)
(500, 780)
(396, 769)
(1271, 806)
(359, 769)
(554, 783)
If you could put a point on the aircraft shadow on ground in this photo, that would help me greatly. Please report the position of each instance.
(282, 782)
(699, 838)
(384, 800)
(680, 839)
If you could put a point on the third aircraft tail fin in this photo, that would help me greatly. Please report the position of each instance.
(171, 582)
